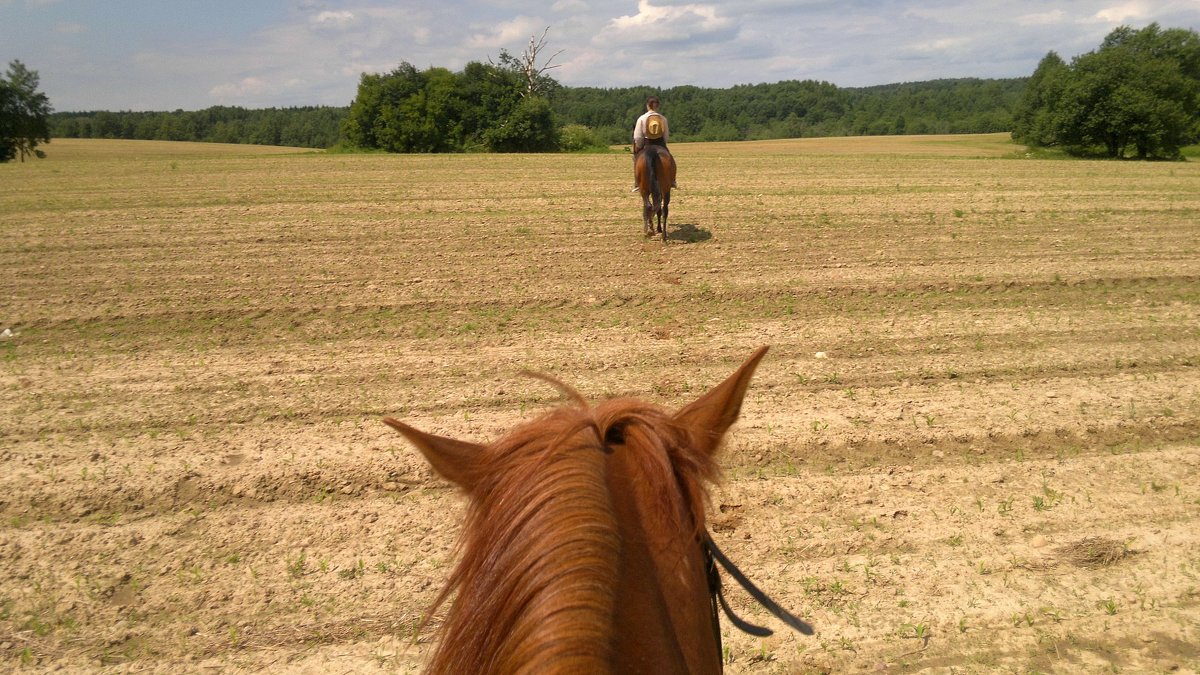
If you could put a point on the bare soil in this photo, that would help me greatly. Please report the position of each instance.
(973, 447)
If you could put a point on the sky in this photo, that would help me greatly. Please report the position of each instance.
(192, 54)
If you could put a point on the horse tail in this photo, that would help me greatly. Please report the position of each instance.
(652, 158)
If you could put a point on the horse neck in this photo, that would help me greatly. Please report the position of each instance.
(662, 621)
(537, 578)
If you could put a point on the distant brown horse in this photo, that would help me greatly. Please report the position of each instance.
(585, 548)
(654, 173)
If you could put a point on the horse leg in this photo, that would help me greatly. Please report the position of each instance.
(647, 216)
(666, 210)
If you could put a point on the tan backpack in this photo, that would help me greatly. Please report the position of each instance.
(656, 126)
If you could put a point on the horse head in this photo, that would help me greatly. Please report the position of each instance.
(582, 550)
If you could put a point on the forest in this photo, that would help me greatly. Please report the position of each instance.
(591, 117)
(310, 127)
(797, 109)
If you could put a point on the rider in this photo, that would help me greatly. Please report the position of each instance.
(654, 133)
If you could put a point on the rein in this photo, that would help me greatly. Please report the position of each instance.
(712, 556)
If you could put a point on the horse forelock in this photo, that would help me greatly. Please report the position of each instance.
(540, 550)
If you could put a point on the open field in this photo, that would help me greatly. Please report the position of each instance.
(995, 466)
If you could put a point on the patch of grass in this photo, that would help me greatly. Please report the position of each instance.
(920, 631)
(296, 568)
(355, 572)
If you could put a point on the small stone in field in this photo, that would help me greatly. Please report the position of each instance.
(1038, 541)
(821, 355)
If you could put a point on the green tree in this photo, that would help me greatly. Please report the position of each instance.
(530, 128)
(488, 94)
(578, 138)
(1033, 119)
(424, 120)
(407, 111)
(24, 114)
(436, 110)
(1139, 90)
(377, 93)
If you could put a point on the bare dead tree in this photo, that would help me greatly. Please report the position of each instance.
(529, 62)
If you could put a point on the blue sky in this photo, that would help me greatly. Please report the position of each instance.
(191, 54)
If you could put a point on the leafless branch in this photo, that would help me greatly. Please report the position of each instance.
(529, 61)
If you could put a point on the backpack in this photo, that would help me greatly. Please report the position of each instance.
(656, 126)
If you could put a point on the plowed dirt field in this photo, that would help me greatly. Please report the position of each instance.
(973, 447)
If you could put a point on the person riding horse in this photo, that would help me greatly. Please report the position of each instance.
(651, 128)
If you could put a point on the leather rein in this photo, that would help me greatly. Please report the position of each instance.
(712, 556)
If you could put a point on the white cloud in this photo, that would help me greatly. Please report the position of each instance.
(940, 45)
(569, 6)
(247, 86)
(340, 19)
(1042, 18)
(665, 16)
(1122, 13)
(508, 34)
(659, 24)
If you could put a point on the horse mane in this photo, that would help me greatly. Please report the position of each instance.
(540, 550)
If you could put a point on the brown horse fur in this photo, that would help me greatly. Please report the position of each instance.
(581, 551)
(654, 172)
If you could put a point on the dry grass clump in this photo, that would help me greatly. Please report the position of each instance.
(1093, 552)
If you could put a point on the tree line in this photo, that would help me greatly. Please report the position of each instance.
(307, 127)
(796, 109)
(479, 109)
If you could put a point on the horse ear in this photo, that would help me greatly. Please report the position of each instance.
(711, 415)
(456, 461)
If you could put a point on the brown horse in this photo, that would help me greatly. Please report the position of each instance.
(585, 548)
(654, 173)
